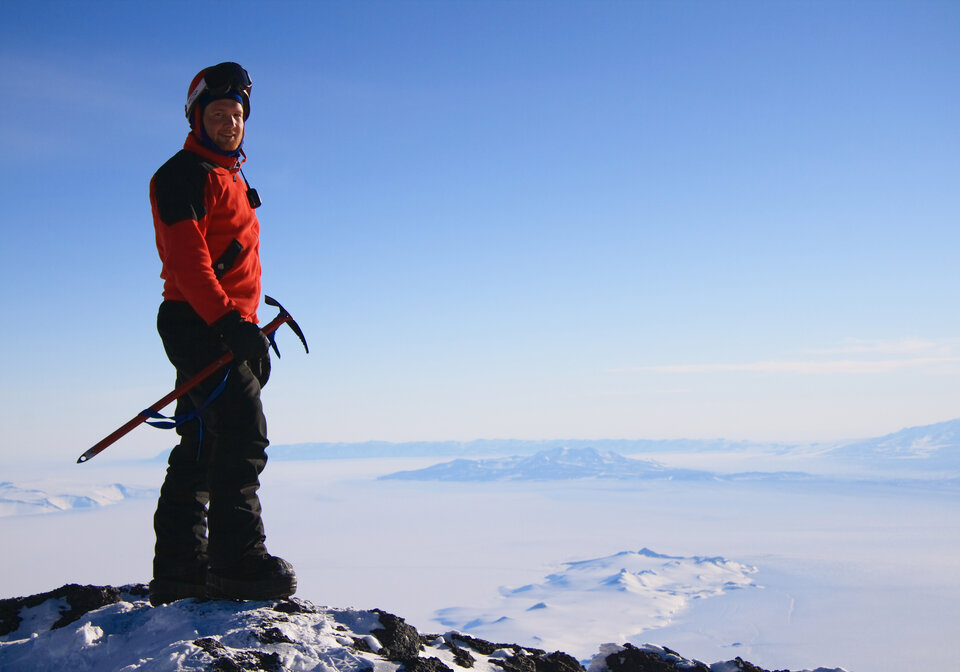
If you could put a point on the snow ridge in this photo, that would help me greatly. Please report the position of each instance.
(645, 589)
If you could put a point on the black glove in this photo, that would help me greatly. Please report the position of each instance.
(244, 338)
(261, 369)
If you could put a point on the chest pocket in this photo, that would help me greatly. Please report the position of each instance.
(226, 260)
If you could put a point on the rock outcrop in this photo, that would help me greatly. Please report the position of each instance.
(102, 628)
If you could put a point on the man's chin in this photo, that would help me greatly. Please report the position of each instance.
(228, 146)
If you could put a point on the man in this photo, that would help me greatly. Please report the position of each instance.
(210, 538)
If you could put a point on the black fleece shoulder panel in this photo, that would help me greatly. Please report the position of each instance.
(178, 186)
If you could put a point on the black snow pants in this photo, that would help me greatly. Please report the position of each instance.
(208, 513)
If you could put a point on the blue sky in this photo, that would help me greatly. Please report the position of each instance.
(503, 219)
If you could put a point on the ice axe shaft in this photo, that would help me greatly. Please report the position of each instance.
(282, 318)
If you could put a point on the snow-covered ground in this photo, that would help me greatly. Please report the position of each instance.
(118, 631)
(786, 574)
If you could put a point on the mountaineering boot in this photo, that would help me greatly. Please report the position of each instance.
(256, 577)
(172, 587)
(164, 591)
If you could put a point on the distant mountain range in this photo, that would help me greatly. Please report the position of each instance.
(934, 449)
(931, 452)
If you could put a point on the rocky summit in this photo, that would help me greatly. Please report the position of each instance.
(107, 628)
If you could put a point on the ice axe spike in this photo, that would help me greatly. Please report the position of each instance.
(282, 318)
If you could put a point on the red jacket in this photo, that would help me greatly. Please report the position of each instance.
(207, 233)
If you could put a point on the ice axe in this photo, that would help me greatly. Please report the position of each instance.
(282, 318)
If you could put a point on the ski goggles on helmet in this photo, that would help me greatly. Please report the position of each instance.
(219, 80)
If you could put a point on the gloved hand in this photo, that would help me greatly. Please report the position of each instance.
(244, 338)
(261, 369)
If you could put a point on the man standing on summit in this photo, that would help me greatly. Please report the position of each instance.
(210, 538)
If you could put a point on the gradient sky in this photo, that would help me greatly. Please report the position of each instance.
(499, 219)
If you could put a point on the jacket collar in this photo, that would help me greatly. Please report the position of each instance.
(228, 162)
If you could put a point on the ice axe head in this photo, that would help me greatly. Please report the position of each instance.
(281, 318)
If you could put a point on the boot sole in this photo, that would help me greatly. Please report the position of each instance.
(219, 587)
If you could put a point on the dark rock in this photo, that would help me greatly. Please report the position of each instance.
(481, 646)
(273, 636)
(558, 661)
(360, 644)
(744, 666)
(461, 656)
(211, 646)
(400, 641)
(424, 665)
(294, 606)
(632, 659)
(517, 663)
(238, 660)
(80, 600)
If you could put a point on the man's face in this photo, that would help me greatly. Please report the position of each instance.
(223, 121)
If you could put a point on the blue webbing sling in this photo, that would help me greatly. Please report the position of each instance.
(169, 422)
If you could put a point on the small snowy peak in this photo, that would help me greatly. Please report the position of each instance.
(18, 500)
(586, 602)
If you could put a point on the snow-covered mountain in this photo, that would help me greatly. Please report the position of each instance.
(643, 589)
(548, 465)
(18, 500)
(574, 463)
(931, 447)
(106, 629)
